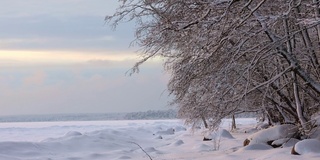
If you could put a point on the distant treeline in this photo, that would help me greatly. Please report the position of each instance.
(163, 114)
(147, 115)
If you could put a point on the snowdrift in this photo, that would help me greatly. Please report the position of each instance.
(119, 140)
(267, 136)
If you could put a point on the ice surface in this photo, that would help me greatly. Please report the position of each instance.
(118, 140)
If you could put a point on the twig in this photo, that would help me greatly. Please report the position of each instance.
(142, 150)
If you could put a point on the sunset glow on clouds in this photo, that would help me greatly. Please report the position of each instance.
(39, 57)
(59, 56)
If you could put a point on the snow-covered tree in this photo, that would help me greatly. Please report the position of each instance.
(229, 56)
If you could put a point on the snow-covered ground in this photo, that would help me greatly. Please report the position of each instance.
(108, 140)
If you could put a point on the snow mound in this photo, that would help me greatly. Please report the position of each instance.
(178, 143)
(262, 125)
(222, 133)
(73, 133)
(290, 143)
(202, 148)
(179, 128)
(225, 134)
(169, 131)
(285, 142)
(247, 130)
(307, 146)
(150, 149)
(273, 133)
(256, 147)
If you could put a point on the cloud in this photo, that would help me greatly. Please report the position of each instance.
(59, 56)
(15, 8)
(36, 78)
(56, 35)
(61, 25)
(76, 89)
(97, 62)
(40, 58)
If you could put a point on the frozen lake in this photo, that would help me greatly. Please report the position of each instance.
(122, 139)
(38, 131)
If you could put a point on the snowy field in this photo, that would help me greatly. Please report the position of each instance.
(108, 140)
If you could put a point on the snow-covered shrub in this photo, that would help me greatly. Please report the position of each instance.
(273, 133)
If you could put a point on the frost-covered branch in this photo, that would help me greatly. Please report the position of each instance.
(230, 56)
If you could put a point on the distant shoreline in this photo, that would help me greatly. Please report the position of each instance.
(147, 115)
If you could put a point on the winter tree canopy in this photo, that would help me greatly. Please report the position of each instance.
(233, 56)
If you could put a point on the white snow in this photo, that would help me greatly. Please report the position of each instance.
(308, 146)
(121, 140)
(273, 133)
(259, 146)
(169, 131)
(262, 125)
(225, 134)
(285, 142)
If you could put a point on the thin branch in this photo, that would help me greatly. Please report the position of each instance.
(142, 149)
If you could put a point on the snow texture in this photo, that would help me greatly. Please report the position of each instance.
(257, 147)
(221, 133)
(273, 133)
(285, 142)
(120, 140)
(308, 146)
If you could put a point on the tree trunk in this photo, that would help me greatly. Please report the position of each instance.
(204, 122)
(233, 126)
(317, 16)
(299, 109)
(298, 103)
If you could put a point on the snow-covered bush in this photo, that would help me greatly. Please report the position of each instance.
(273, 133)
(228, 57)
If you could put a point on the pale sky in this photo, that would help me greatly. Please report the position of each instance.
(59, 56)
